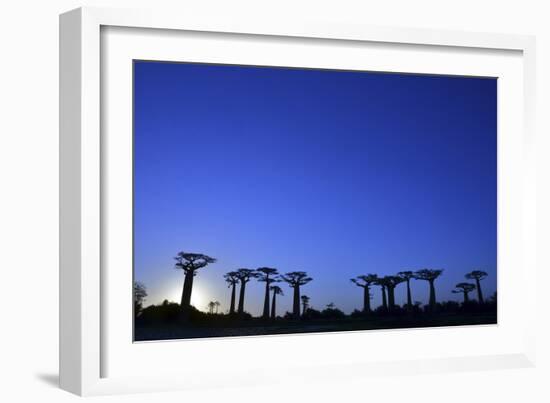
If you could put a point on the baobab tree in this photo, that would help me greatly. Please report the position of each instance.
(211, 306)
(464, 289)
(391, 282)
(407, 276)
(266, 275)
(190, 263)
(244, 276)
(429, 275)
(217, 305)
(305, 303)
(382, 283)
(276, 290)
(477, 275)
(231, 279)
(295, 280)
(365, 283)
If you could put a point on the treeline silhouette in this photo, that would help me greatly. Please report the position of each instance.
(191, 263)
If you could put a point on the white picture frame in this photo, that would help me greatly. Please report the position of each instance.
(90, 340)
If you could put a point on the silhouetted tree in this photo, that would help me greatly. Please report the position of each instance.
(211, 306)
(217, 305)
(305, 303)
(190, 263)
(391, 282)
(382, 283)
(407, 275)
(429, 275)
(244, 276)
(365, 283)
(266, 275)
(276, 291)
(477, 275)
(231, 279)
(464, 289)
(140, 292)
(296, 279)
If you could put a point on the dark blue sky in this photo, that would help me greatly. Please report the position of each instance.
(331, 172)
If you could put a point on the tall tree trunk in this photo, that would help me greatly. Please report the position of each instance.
(479, 293)
(187, 287)
(432, 295)
(409, 297)
(366, 300)
(296, 305)
(466, 299)
(273, 311)
(384, 300)
(391, 298)
(232, 306)
(266, 301)
(241, 298)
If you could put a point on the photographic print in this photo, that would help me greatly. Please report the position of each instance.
(275, 200)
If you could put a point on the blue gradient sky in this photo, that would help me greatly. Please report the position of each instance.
(330, 172)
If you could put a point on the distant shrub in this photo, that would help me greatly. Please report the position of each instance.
(333, 313)
(312, 313)
(380, 310)
(288, 316)
(448, 306)
(398, 310)
(167, 312)
(357, 314)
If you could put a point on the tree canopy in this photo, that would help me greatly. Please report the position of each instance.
(476, 275)
(244, 275)
(364, 280)
(296, 278)
(191, 262)
(427, 274)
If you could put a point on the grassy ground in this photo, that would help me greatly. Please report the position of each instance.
(257, 327)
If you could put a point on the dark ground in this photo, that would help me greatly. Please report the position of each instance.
(255, 327)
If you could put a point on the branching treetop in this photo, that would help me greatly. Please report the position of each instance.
(427, 274)
(191, 262)
(231, 278)
(305, 299)
(265, 274)
(296, 278)
(381, 281)
(407, 274)
(476, 275)
(244, 275)
(276, 289)
(365, 280)
(389, 281)
(464, 287)
(392, 281)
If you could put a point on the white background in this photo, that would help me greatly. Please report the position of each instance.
(28, 201)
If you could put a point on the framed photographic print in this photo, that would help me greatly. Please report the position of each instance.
(228, 189)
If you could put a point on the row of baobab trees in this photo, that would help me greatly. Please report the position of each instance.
(190, 263)
(388, 285)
